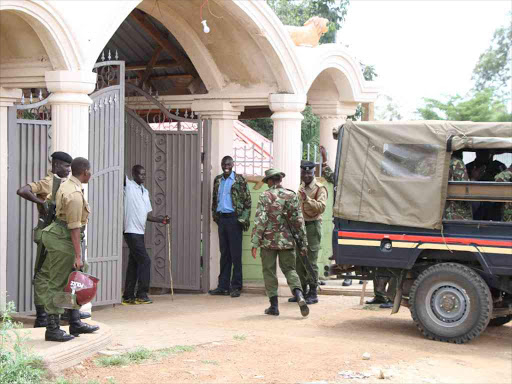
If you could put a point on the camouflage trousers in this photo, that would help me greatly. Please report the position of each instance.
(286, 263)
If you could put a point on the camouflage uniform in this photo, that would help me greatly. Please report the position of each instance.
(328, 173)
(457, 210)
(241, 198)
(506, 177)
(278, 209)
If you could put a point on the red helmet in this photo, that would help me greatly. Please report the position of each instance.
(83, 286)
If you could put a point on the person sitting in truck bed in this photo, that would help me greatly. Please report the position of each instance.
(505, 177)
(457, 210)
(489, 169)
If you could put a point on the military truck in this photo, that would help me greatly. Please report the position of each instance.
(391, 189)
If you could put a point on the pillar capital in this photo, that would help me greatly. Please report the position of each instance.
(216, 109)
(333, 109)
(287, 106)
(8, 96)
(70, 87)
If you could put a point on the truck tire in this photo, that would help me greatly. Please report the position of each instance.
(499, 321)
(450, 302)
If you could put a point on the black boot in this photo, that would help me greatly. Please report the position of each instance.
(41, 317)
(312, 297)
(304, 310)
(76, 327)
(273, 309)
(66, 316)
(294, 299)
(53, 331)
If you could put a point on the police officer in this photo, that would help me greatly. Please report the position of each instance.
(62, 239)
(37, 192)
(312, 196)
(278, 229)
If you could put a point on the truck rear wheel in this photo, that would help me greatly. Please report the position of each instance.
(450, 302)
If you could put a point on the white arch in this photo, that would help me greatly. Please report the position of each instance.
(272, 34)
(50, 29)
(345, 70)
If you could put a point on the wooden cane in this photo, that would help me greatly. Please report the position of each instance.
(170, 262)
(363, 292)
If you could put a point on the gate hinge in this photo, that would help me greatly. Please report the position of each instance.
(202, 157)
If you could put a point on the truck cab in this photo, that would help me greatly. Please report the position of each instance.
(393, 189)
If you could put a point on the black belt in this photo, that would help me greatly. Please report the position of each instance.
(62, 223)
(232, 214)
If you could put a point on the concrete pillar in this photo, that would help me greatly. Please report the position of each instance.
(222, 114)
(7, 98)
(287, 150)
(70, 102)
(331, 115)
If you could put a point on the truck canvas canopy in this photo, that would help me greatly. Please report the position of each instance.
(396, 173)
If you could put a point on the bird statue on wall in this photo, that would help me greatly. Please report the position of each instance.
(308, 35)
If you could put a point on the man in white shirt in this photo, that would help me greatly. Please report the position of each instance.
(137, 207)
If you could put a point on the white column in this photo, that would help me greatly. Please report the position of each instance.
(70, 102)
(222, 114)
(331, 115)
(287, 149)
(7, 98)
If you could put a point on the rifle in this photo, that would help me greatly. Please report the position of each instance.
(300, 246)
(48, 218)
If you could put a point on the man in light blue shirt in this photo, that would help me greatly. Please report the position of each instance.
(137, 207)
(231, 210)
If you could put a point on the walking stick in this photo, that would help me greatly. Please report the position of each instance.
(170, 262)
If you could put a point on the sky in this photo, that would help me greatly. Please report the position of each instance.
(422, 48)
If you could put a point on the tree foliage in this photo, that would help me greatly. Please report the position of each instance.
(488, 99)
(494, 67)
(480, 106)
(297, 12)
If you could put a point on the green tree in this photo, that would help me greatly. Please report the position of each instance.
(297, 12)
(478, 106)
(494, 66)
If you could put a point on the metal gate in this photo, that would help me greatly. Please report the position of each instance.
(171, 150)
(105, 190)
(29, 140)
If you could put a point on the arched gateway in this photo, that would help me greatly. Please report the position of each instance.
(247, 66)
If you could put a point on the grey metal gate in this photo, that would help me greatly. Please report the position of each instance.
(29, 141)
(105, 191)
(172, 152)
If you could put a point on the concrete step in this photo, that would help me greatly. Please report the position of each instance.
(58, 356)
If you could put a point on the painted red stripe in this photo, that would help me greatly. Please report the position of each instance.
(425, 239)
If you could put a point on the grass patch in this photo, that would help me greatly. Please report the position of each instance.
(17, 364)
(140, 355)
(212, 362)
(175, 350)
(240, 337)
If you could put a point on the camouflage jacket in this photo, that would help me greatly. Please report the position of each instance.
(506, 177)
(328, 174)
(241, 198)
(457, 210)
(278, 208)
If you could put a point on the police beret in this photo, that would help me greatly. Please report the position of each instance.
(307, 165)
(63, 156)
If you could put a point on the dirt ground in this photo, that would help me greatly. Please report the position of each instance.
(234, 342)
